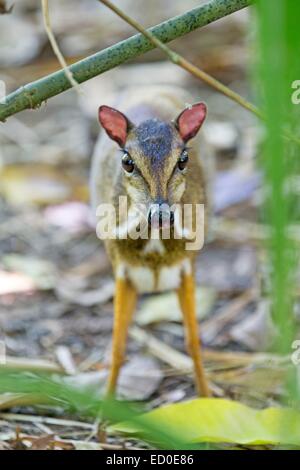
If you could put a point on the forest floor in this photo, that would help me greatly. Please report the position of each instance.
(56, 285)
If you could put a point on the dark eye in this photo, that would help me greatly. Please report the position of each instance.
(182, 160)
(127, 163)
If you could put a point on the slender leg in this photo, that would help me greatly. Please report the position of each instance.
(124, 304)
(186, 296)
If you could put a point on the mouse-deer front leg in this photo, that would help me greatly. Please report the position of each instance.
(187, 299)
(124, 305)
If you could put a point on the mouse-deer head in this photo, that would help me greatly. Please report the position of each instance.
(155, 156)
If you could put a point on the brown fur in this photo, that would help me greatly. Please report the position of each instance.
(108, 180)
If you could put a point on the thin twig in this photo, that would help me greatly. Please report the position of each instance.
(32, 365)
(55, 47)
(179, 60)
(180, 361)
(45, 420)
(185, 64)
(212, 327)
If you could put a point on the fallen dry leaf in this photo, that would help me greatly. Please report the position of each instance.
(257, 332)
(139, 379)
(165, 307)
(40, 185)
(69, 291)
(42, 442)
(41, 272)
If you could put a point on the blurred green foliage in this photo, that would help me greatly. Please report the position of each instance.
(278, 68)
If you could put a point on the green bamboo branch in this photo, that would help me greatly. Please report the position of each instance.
(179, 60)
(34, 94)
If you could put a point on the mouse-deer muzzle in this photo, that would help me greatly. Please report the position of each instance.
(160, 215)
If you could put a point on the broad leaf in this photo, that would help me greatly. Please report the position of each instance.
(220, 420)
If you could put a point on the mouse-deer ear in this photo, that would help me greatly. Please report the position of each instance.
(190, 120)
(115, 124)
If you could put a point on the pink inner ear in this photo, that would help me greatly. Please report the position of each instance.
(115, 124)
(190, 121)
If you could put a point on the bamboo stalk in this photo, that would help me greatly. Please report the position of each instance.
(33, 94)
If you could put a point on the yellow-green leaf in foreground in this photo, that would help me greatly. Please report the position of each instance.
(220, 420)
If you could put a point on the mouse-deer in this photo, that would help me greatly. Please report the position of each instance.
(148, 157)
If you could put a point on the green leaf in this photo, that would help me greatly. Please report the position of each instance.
(220, 420)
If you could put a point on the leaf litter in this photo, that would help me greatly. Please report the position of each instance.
(56, 284)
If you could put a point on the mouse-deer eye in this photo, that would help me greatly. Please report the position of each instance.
(183, 160)
(115, 124)
(127, 163)
(190, 120)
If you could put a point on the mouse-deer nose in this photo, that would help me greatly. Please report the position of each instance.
(160, 214)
